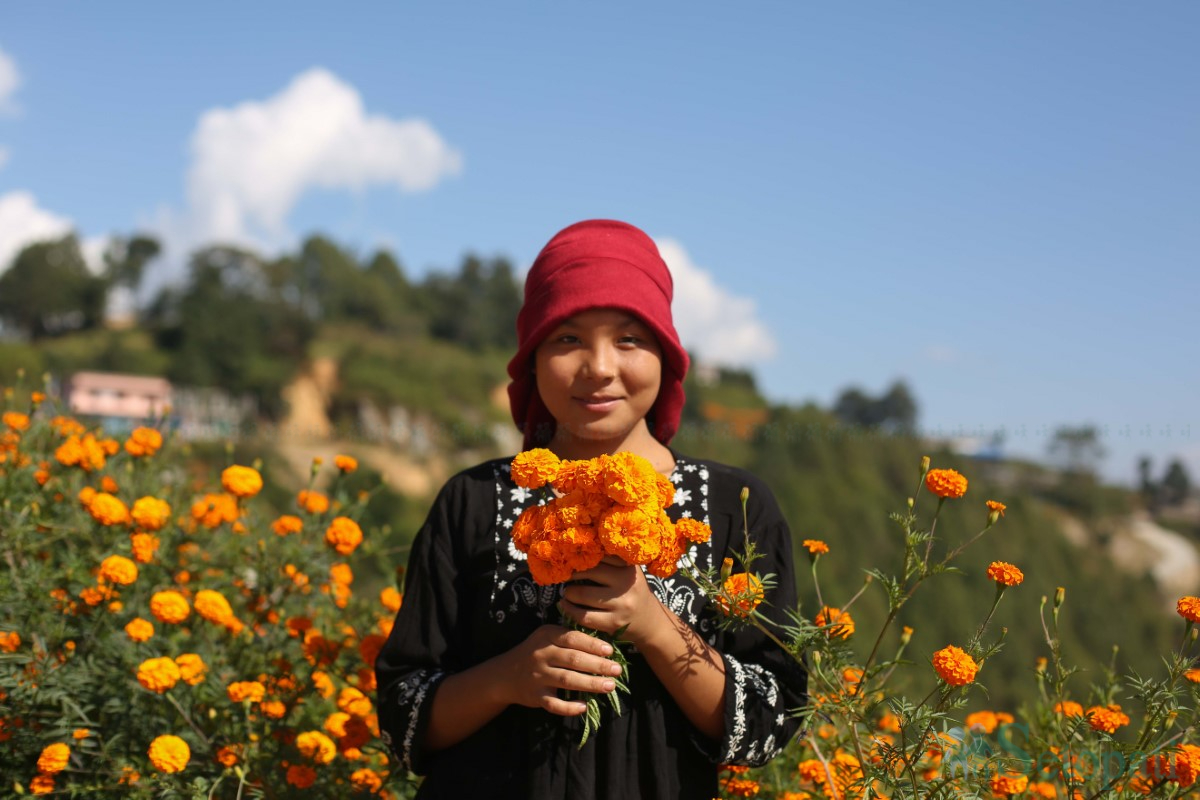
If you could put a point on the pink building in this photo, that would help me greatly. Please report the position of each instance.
(110, 394)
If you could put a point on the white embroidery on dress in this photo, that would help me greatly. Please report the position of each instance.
(739, 711)
(682, 496)
(412, 693)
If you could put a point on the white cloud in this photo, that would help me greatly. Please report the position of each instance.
(251, 163)
(10, 79)
(716, 325)
(942, 354)
(23, 222)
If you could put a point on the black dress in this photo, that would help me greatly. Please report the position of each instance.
(469, 597)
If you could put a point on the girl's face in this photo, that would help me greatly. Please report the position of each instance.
(598, 374)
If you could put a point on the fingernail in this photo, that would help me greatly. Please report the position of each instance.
(609, 686)
(606, 649)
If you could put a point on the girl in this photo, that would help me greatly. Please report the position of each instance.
(470, 681)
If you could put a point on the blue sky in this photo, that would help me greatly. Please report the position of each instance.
(996, 202)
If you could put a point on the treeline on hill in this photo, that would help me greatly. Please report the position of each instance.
(247, 323)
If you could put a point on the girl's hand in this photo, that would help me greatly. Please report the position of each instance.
(611, 596)
(553, 658)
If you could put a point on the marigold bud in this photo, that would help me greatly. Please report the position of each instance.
(726, 569)
(924, 464)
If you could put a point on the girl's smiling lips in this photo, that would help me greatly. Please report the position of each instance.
(598, 402)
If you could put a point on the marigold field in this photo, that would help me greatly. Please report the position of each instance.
(163, 636)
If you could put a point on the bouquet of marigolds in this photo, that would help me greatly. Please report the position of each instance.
(863, 739)
(160, 636)
(613, 505)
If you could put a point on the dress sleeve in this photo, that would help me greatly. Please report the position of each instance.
(764, 686)
(418, 652)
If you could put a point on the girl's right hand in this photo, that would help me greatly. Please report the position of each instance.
(553, 658)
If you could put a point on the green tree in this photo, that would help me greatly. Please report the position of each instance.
(49, 290)
(1176, 483)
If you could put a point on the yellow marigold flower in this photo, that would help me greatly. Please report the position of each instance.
(286, 524)
(10, 641)
(169, 606)
(16, 421)
(316, 747)
(118, 570)
(354, 702)
(836, 622)
(533, 469)
(341, 574)
(343, 535)
(741, 594)
(53, 759)
(213, 606)
(346, 464)
(158, 674)
(1107, 718)
(312, 502)
(227, 756)
(144, 545)
(1192, 675)
(946, 483)
(815, 547)
(86, 495)
(80, 733)
(143, 442)
(335, 724)
(323, 684)
(1008, 785)
(391, 599)
(1005, 574)
(169, 754)
(301, 776)
(150, 513)
(139, 630)
(1068, 708)
(366, 779)
(241, 481)
(273, 709)
(108, 510)
(246, 690)
(954, 666)
(1189, 608)
(41, 784)
(191, 668)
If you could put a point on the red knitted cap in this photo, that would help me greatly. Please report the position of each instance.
(597, 263)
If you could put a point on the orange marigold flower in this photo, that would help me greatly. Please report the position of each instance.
(92, 596)
(366, 779)
(158, 674)
(631, 480)
(1180, 765)
(693, 530)
(81, 451)
(1005, 574)
(627, 533)
(143, 442)
(107, 484)
(191, 668)
(323, 684)
(741, 594)
(16, 421)
(982, 721)
(213, 607)
(1068, 708)
(119, 570)
(10, 641)
(533, 469)
(215, 509)
(246, 690)
(301, 776)
(954, 666)
(1189, 608)
(391, 599)
(227, 756)
(312, 502)
(1008, 785)
(273, 709)
(108, 510)
(1192, 675)
(815, 547)
(286, 524)
(1043, 789)
(354, 702)
(740, 787)
(169, 754)
(139, 630)
(346, 464)
(80, 733)
(341, 574)
(241, 481)
(343, 535)
(335, 724)
(996, 507)
(41, 784)
(53, 759)
(946, 483)
(144, 545)
(129, 775)
(169, 606)
(150, 513)
(1107, 718)
(316, 747)
(836, 622)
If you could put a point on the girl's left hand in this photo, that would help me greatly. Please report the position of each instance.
(610, 596)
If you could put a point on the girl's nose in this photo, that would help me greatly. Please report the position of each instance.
(601, 361)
